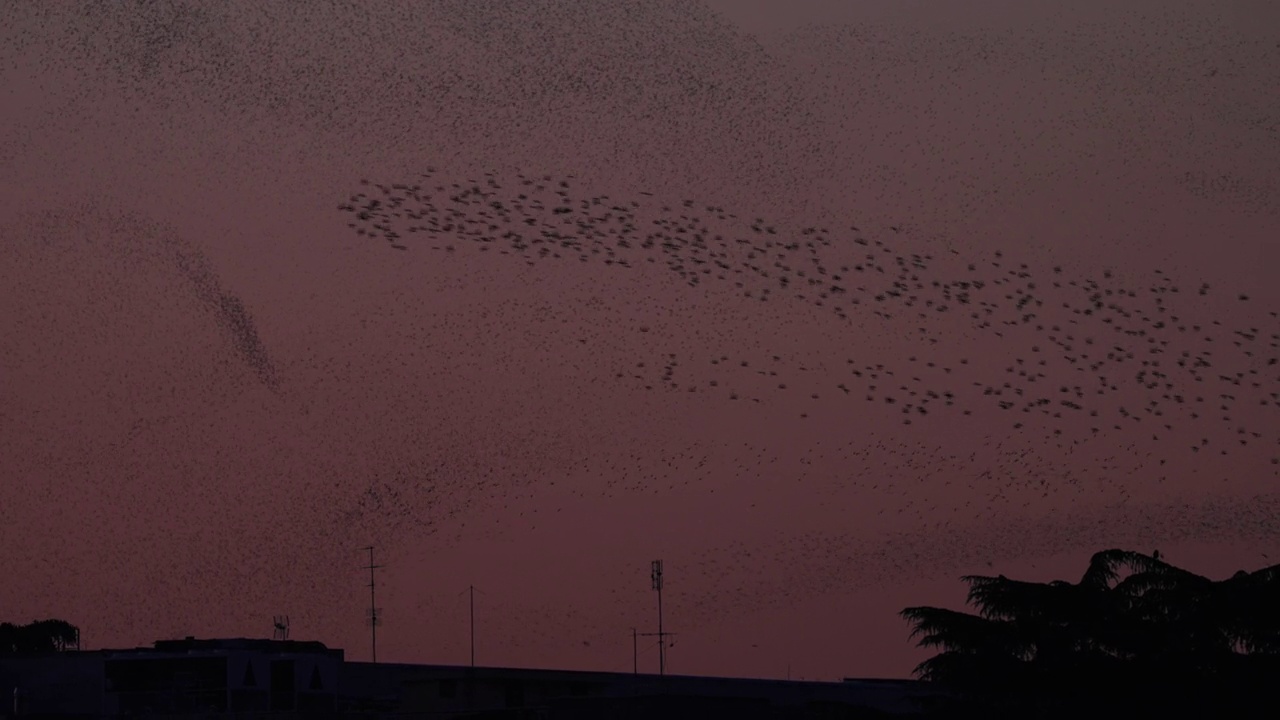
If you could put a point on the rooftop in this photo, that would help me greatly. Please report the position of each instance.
(214, 645)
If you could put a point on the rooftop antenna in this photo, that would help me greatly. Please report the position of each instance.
(471, 591)
(375, 612)
(662, 636)
(281, 623)
(635, 663)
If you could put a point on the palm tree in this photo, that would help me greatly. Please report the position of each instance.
(1226, 631)
(1133, 627)
(980, 660)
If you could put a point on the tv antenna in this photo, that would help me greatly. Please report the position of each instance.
(281, 623)
(656, 576)
(471, 591)
(374, 613)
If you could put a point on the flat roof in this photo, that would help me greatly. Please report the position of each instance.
(488, 671)
(199, 645)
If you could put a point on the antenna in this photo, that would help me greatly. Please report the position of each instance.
(374, 613)
(471, 591)
(656, 576)
(281, 623)
(635, 646)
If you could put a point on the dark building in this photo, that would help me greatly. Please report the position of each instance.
(289, 679)
(241, 675)
(456, 691)
(175, 677)
(65, 683)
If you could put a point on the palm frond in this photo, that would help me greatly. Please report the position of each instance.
(1104, 568)
(1007, 599)
(1131, 621)
(952, 630)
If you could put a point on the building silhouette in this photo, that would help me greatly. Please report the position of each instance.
(176, 677)
(251, 678)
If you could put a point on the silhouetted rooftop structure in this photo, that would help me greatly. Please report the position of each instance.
(192, 644)
(192, 675)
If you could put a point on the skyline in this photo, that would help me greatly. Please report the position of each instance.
(1244, 588)
(213, 386)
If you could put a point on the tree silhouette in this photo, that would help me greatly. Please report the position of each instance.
(40, 636)
(1135, 635)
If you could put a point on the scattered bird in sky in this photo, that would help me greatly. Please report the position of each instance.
(1111, 355)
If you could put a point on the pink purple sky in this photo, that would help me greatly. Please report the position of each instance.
(214, 391)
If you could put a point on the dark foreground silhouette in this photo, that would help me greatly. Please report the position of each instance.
(38, 637)
(1135, 637)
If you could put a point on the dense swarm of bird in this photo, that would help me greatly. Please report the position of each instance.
(138, 244)
(1039, 353)
(1116, 353)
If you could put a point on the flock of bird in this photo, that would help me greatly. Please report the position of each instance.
(799, 328)
(1085, 355)
(147, 246)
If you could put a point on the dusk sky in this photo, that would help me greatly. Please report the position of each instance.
(823, 303)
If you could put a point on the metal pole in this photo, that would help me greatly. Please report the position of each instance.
(662, 637)
(373, 607)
